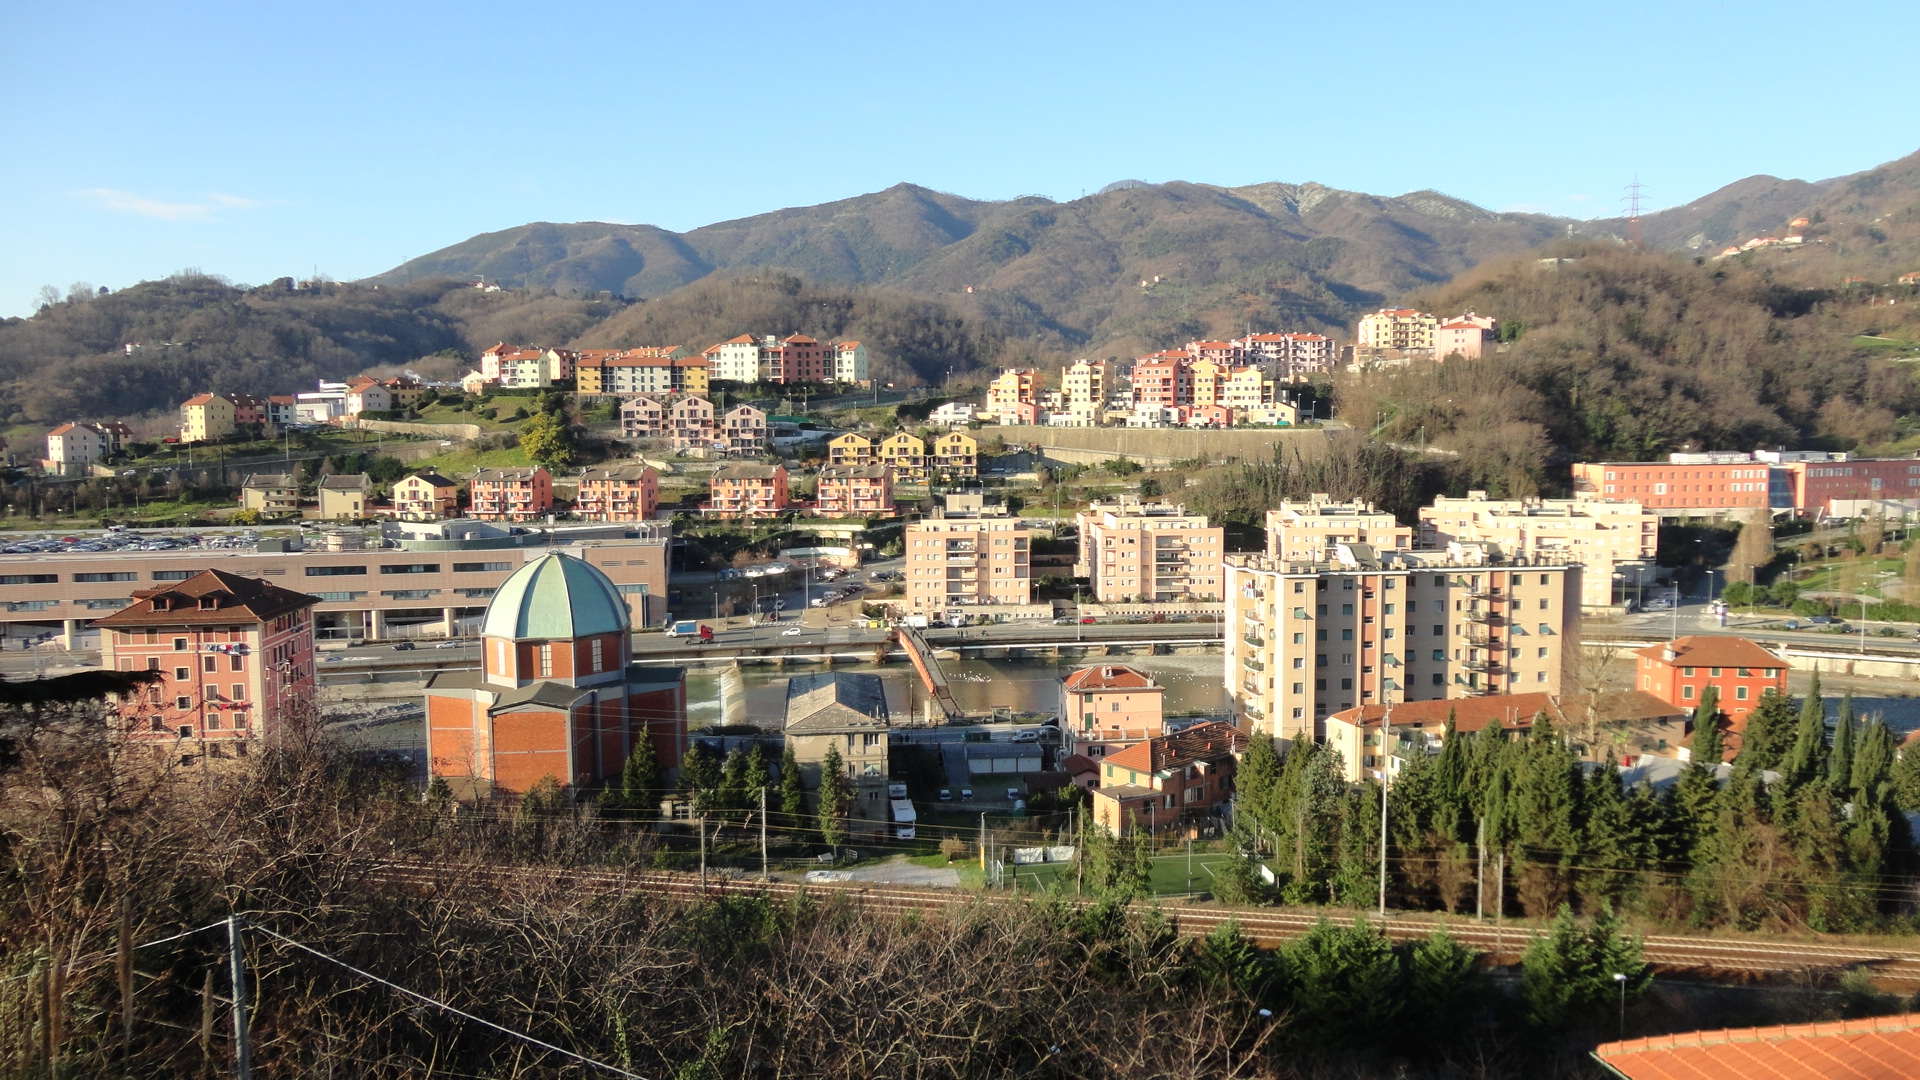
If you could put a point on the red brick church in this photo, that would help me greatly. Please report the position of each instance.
(558, 693)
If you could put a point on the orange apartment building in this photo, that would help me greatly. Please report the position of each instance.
(557, 694)
(1679, 672)
(854, 491)
(1108, 708)
(1172, 781)
(744, 490)
(1150, 552)
(690, 424)
(510, 494)
(618, 493)
(956, 563)
(1164, 379)
(237, 653)
(1701, 483)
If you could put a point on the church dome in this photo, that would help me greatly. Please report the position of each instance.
(553, 598)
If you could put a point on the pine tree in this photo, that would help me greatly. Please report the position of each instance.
(639, 777)
(1905, 775)
(1706, 748)
(759, 772)
(793, 790)
(836, 798)
(1570, 970)
(1610, 845)
(733, 780)
(700, 779)
(1346, 982)
(1840, 764)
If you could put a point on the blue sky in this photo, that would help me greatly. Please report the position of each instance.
(256, 140)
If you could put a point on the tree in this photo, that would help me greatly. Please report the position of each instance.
(1753, 549)
(836, 798)
(1570, 971)
(1808, 759)
(1346, 984)
(1840, 763)
(1228, 959)
(1769, 736)
(638, 778)
(1443, 986)
(734, 793)
(793, 790)
(547, 440)
(700, 779)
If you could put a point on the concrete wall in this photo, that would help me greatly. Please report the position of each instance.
(465, 432)
(1156, 446)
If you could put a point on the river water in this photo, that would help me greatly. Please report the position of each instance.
(756, 694)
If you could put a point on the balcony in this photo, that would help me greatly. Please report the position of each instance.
(1252, 665)
(1255, 640)
(1479, 665)
(1485, 618)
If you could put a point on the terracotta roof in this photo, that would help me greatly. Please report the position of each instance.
(848, 345)
(798, 339)
(619, 473)
(1874, 1048)
(1634, 705)
(1200, 742)
(747, 472)
(283, 399)
(199, 399)
(1713, 650)
(1469, 713)
(64, 428)
(743, 339)
(1109, 677)
(1079, 765)
(235, 599)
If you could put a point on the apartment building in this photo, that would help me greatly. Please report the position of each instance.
(744, 431)
(271, 494)
(345, 497)
(690, 424)
(850, 449)
(734, 360)
(641, 371)
(955, 563)
(1290, 356)
(850, 363)
(956, 456)
(906, 455)
(1679, 672)
(205, 418)
(854, 491)
(1398, 329)
(367, 395)
(618, 493)
(425, 496)
(1244, 390)
(1614, 540)
(76, 446)
(847, 713)
(1419, 727)
(514, 368)
(796, 358)
(1086, 386)
(1149, 551)
(1307, 639)
(510, 494)
(1209, 381)
(1013, 395)
(424, 578)
(743, 490)
(589, 369)
(1178, 780)
(642, 418)
(1468, 336)
(1163, 380)
(1309, 531)
(236, 654)
(1106, 708)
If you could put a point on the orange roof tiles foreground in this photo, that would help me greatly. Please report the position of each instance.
(1714, 651)
(1876, 1048)
(1182, 748)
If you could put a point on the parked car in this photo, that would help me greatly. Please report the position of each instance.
(946, 795)
(1013, 793)
(966, 794)
(1026, 736)
(1824, 620)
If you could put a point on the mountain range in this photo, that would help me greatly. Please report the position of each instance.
(1133, 265)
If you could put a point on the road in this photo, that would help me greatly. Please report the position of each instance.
(1692, 617)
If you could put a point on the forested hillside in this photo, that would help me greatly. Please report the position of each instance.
(1630, 356)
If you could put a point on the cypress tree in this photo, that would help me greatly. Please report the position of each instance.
(793, 790)
(1807, 761)
(835, 797)
(640, 776)
(1871, 779)
(759, 772)
(733, 780)
(1609, 843)
(1840, 764)
(1692, 806)
(1256, 781)
(1705, 748)
(700, 779)
(1769, 735)
(1905, 773)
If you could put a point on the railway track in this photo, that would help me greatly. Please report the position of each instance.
(1669, 953)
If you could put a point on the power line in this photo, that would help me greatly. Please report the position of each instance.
(455, 1010)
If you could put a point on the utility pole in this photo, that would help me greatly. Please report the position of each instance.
(1079, 856)
(123, 969)
(1499, 903)
(237, 969)
(983, 847)
(702, 825)
(1480, 873)
(1386, 770)
(763, 832)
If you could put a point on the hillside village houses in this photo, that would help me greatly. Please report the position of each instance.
(618, 493)
(743, 490)
(74, 446)
(513, 494)
(425, 496)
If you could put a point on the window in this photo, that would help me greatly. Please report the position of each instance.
(236, 663)
(116, 575)
(546, 661)
(1439, 630)
(339, 597)
(1544, 579)
(1539, 676)
(1740, 693)
(1299, 662)
(239, 692)
(1543, 603)
(1745, 674)
(475, 594)
(1299, 639)
(598, 659)
(1319, 635)
(1547, 630)
(336, 571)
(1299, 688)
(410, 568)
(632, 590)
(869, 740)
(1386, 609)
(1715, 672)
(28, 579)
(209, 663)
(1687, 671)
(1687, 692)
(1346, 684)
(479, 567)
(1346, 609)
(1543, 654)
(183, 703)
(181, 674)
(1346, 635)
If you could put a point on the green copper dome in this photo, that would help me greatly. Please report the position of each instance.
(554, 597)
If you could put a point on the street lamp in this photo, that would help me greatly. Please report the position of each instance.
(1622, 980)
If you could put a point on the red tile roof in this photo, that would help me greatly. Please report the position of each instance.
(1469, 713)
(236, 599)
(1079, 765)
(199, 399)
(848, 345)
(1713, 650)
(1875, 1048)
(1109, 677)
(1201, 742)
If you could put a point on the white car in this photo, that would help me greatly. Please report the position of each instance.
(791, 631)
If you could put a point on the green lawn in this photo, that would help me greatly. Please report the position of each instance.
(459, 464)
(1169, 873)
(1859, 576)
